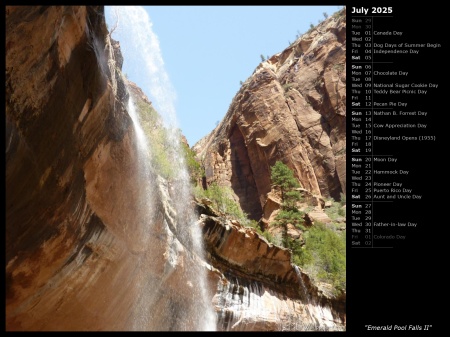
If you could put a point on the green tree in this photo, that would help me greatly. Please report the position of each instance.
(283, 177)
(262, 58)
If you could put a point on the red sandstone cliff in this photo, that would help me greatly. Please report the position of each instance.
(292, 108)
(78, 245)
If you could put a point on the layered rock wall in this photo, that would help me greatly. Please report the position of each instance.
(258, 288)
(292, 109)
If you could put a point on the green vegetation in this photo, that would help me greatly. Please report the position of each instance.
(196, 171)
(335, 16)
(265, 234)
(161, 155)
(162, 150)
(148, 116)
(336, 210)
(343, 200)
(152, 126)
(322, 251)
(288, 86)
(222, 201)
(339, 67)
(283, 177)
(338, 14)
(262, 58)
(324, 255)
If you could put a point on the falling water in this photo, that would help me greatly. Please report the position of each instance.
(140, 135)
(140, 47)
(321, 316)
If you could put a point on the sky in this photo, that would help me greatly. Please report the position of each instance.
(204, 53)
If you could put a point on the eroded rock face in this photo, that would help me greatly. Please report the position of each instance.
(291, 109)
(258, 288)
(81, 229)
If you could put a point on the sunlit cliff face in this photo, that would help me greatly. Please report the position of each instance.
(87, 241)
(96, 240)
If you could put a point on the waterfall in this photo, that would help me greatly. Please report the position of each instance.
(321, 317)
(140, 135)
(160, 302)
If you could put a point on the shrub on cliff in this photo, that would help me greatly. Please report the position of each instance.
(323, 255)
(336, 210)
(222, 201)
(195, 170)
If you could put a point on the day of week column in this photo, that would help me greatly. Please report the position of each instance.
(361, 128)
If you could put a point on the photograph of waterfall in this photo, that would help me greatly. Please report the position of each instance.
(175, 168)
